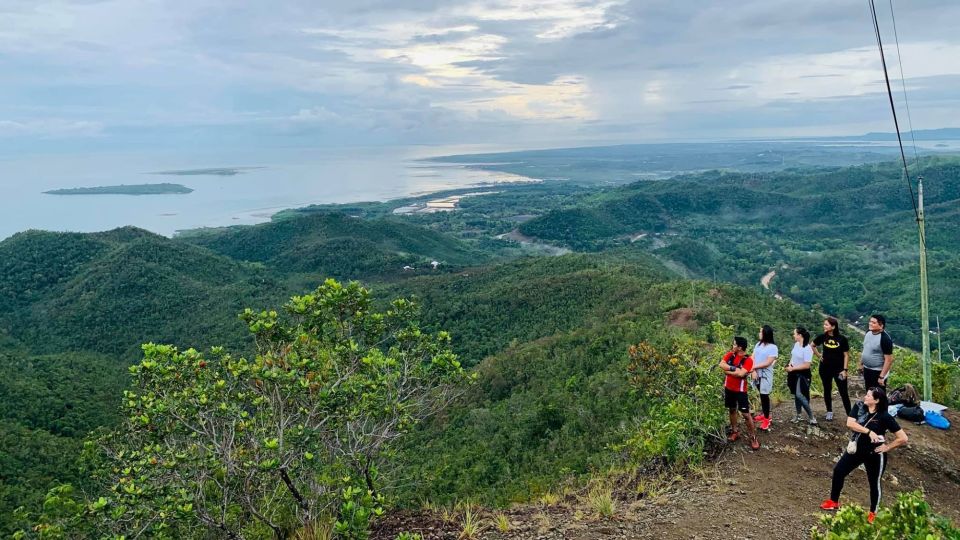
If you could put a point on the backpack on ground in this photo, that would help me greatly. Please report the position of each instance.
(906, 395)
(937, 420)
(911, 414)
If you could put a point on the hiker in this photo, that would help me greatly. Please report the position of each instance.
(764, 357)
(877, 354)
(738, 365)
(870, 422)
(798, 374)
(834, 361)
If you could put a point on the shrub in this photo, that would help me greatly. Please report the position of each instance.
(909, 518)
(679, 392)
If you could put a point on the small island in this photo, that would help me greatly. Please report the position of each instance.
(216, 171)
(123, 189)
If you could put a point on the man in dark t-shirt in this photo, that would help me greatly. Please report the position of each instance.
(834, 351)
(877, 357)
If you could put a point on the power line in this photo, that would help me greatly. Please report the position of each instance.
(896, 123)
(903, 82)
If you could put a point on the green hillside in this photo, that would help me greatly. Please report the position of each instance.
(844, 239)
(109, 292)
(337, 245)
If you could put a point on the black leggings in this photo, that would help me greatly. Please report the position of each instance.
(827, 378)
(799, 384)
(765, 404)
(873, 463)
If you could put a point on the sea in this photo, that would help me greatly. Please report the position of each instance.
(267, 181)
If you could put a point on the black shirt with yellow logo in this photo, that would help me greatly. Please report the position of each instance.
(833, 349)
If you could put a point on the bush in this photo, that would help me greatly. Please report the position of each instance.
(683, 410)
(909, 518)
(907, 368)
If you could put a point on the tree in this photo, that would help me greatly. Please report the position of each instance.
(235, 448)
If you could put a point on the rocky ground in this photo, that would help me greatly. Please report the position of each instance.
(771, 493)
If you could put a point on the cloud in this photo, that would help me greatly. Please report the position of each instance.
(50, 128)
(467, 70)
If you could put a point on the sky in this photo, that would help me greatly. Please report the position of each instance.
(134, 74)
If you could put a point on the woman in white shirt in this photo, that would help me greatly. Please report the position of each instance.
(764, 357)
(798, 374)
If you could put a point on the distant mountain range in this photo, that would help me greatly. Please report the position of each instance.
(920, 135)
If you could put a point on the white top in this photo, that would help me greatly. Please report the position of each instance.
(801, 355)
(763, 352)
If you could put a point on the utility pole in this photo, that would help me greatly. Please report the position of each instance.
(924, 301)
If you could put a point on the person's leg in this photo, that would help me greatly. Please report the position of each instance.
(803, 395)
(751, 427)
(730, 402)
(827, 379)
(871, 378)
(844, 393)
(792, 380)
(765, 405)
(848, 462)
(744, 406)
(875, 465)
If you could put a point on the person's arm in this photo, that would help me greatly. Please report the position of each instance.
(815, 346)
(768, 361)
(900, 440)
(886, 346)
(885, 370)
(808, 356)
(846, 360)
(855, 426)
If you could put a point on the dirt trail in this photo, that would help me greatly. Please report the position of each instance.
(767, 278)
(771, 493)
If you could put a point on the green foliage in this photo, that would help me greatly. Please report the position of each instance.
(683, 412)
(337, 245)
(910, 518)
(359, 506)
(945, 376)
(228, 444)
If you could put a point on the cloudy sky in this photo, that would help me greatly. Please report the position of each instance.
(137, 73)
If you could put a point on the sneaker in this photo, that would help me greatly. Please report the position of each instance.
(758, 418)
(765, 424)
(870, 517)
(797, 419)
(734, 435)
(829, 416)
(829, 505)
(813, 420)
(754, 444)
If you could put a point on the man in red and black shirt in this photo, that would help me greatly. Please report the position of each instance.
(737, 365)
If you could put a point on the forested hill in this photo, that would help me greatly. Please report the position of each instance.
(845, 238)
(559, 392)
(337, 245)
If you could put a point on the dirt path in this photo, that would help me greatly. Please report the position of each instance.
(767, 278)
(771, 493)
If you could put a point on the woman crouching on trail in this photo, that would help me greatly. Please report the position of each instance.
(869, 421)
(798, 374)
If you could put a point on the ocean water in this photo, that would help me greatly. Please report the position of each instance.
(286, 178)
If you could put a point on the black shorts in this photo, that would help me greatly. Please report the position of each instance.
(736, 400)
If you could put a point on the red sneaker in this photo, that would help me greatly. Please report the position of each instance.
(734, 435)
(758, 417)
(754, 444)
(829, 505)
(765, 424)
(870, 517)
